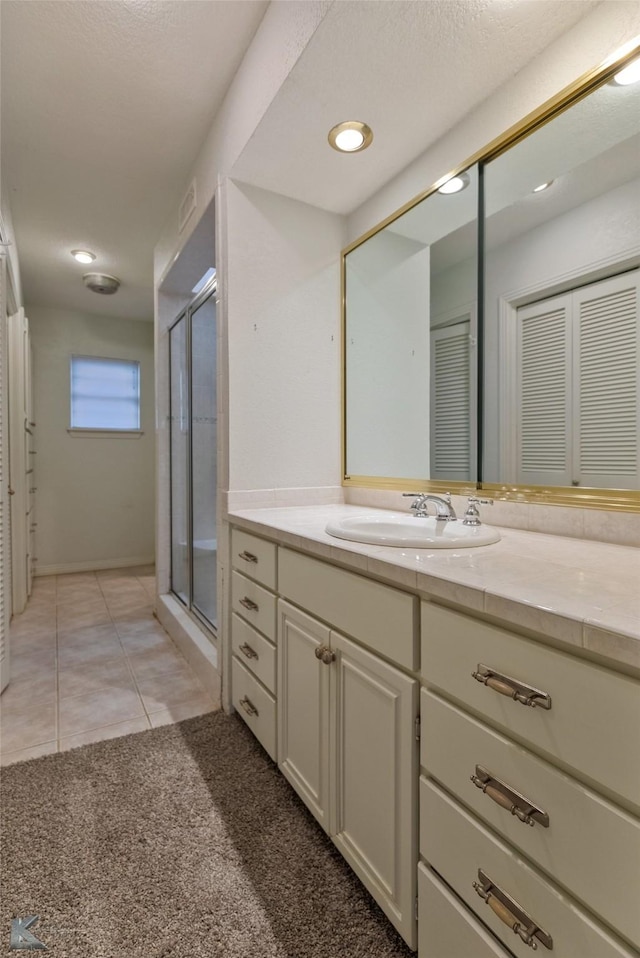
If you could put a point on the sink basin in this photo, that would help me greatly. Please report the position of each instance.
(411, 532)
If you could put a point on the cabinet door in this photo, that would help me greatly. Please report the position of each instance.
(303, 709)
(374, 774)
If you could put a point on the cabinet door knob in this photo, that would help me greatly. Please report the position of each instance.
(248, 651)
(248, 706)
(507, 797)
(248, 556)
(324, 654)
(249, 604)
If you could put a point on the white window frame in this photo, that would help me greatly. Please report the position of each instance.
(103, 431)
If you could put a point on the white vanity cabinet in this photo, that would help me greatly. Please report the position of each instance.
(536, 744)
(346, 726)
(253, 635)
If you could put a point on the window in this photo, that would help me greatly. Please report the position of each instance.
(105, 393)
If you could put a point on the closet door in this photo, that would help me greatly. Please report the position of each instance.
(5, 578)
(606, 323)
(452, 403)
(543, 414)
(18, 389)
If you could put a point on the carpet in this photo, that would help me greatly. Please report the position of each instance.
(178, 842)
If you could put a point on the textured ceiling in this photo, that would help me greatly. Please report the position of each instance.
(106, 103)
(104, 108)
(411, 70)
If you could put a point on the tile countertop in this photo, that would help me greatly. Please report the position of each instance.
(582, 593)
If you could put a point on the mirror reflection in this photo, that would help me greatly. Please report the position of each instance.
(410, 343)
(562, 332)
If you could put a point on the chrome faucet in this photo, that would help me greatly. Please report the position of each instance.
(472, 515)
(444, 510)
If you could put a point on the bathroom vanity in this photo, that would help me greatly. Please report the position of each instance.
(470, 750)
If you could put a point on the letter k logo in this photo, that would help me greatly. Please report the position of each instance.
(21, 937)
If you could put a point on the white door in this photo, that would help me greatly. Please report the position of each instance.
(303, 709)
(5, 577)
(453, 402)
(18, 458)
(374, 777)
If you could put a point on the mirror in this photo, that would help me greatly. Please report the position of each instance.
(410, 332)
(562, 288)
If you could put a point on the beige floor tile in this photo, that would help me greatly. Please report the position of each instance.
(40, 687)
(154, 638)
(80, 713)
(172, 689)
(73, 655)
(34, 642)
(177, 713)
(104, 732)
(67, 622)
(87, 677)
(151, 663)
(24, 754)
(87, 635)
(35, 664)
(27, 728)
(136, 622)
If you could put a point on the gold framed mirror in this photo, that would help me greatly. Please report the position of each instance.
(416, 328)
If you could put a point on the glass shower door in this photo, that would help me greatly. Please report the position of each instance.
(193, 439)
(204, 457)
(179, 441)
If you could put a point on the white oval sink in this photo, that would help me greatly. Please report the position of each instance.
(398, 529)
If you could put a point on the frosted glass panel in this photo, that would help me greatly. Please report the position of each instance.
(105, 393)
(204, 461)
(179, 461)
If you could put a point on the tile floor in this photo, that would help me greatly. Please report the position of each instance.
(88, 662)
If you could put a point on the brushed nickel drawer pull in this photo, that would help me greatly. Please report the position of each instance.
(512, 688)
(248, 651)
(507, 797)
(248, 556)
(248, 706)
(325, 655)
(249, 604)
(511, 913)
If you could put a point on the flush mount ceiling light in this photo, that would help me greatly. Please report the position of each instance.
(83, 256)
(101, 283)
(455, 184)
(543, 186)
(350, 136)
(630, 74)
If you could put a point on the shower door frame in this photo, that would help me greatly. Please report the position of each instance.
(185, 314)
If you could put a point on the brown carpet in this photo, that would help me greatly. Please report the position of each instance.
(179, 842)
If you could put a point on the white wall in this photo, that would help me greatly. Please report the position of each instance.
(95, 498)
(283, 327)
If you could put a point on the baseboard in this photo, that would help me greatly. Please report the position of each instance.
(94, 565)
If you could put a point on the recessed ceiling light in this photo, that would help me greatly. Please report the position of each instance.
(455, 184)
(83, 256)
(630, 74)
(350, 136)
(543, 186)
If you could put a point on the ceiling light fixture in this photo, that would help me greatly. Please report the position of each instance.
(350, 136)
(543, 186)
(455, 184)
(630, 74)
(83, 256)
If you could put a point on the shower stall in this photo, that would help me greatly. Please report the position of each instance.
(193, 458)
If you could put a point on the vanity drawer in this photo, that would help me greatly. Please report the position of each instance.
(255, 705)
(254, 651)
(446, 928)
(457, 847)
(593, 725)
(254, 604)
(379, 616)
(254, 556)
(583, 828)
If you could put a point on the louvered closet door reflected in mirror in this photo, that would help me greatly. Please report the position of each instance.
(578, 384)
(193, 430)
